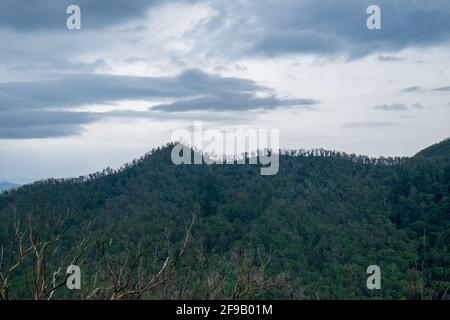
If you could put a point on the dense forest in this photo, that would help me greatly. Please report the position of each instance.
(154, 230)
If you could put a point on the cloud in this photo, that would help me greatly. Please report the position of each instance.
(284, 42)
(42, 124)
(36, 39)
(23, 16)
(391, 107)
(40, 109)
(84, 89)
(369, 124)
(61, 66)
(417, 106)
(271, 28)
(411, 89)
(398, 107)
(212, 117)
(53, 124)
(232, 102)
(442, 89)
(390, 59)
(264, 28)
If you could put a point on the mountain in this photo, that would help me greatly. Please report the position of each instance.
(155, 230)
(4, 186)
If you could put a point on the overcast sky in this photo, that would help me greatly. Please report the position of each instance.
(75, 101)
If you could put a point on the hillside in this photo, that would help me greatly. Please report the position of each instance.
(441, 149)
(225, 231)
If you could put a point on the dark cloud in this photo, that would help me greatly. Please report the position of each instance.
(51, 124)
(391, 107)
(232, 102)
(42, 124)
(329, 27)
(78, 90)
(265, 27)
(26, 15)
(27, 109)
(281, 42)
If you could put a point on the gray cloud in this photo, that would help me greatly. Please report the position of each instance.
(369, 124)
(442, 89)
(417, 106)
(30, 124)
(263, 28)
(82, 89)
(411, 89)
(213, 117)
(271, 28)
(59, 66)
(398, 107)
(281, 42)
(24, 15)
(42, 124)
(391, 107)
(232, 102)
(390, 59)
(27, 109)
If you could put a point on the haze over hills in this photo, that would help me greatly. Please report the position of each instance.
(4, 186)
(225, 231)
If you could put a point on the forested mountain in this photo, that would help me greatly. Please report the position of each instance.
(155, 230)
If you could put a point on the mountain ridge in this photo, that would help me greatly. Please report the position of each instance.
(313, 152)
(322, 220)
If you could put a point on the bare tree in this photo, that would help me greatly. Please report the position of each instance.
(128, 277)
(251, 279)
(9, 266)
(41, 246)
(186, 271)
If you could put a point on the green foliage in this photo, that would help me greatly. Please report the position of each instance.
(321, 221)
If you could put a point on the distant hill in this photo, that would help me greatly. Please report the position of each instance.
(226, 232)
(4, 186)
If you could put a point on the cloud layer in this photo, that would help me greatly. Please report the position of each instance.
(23, 16)
(27, 109)
(270, 28)
(263, 28)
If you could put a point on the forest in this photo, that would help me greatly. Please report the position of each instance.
(155, 230)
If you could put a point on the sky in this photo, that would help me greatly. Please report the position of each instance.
(76, 101)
